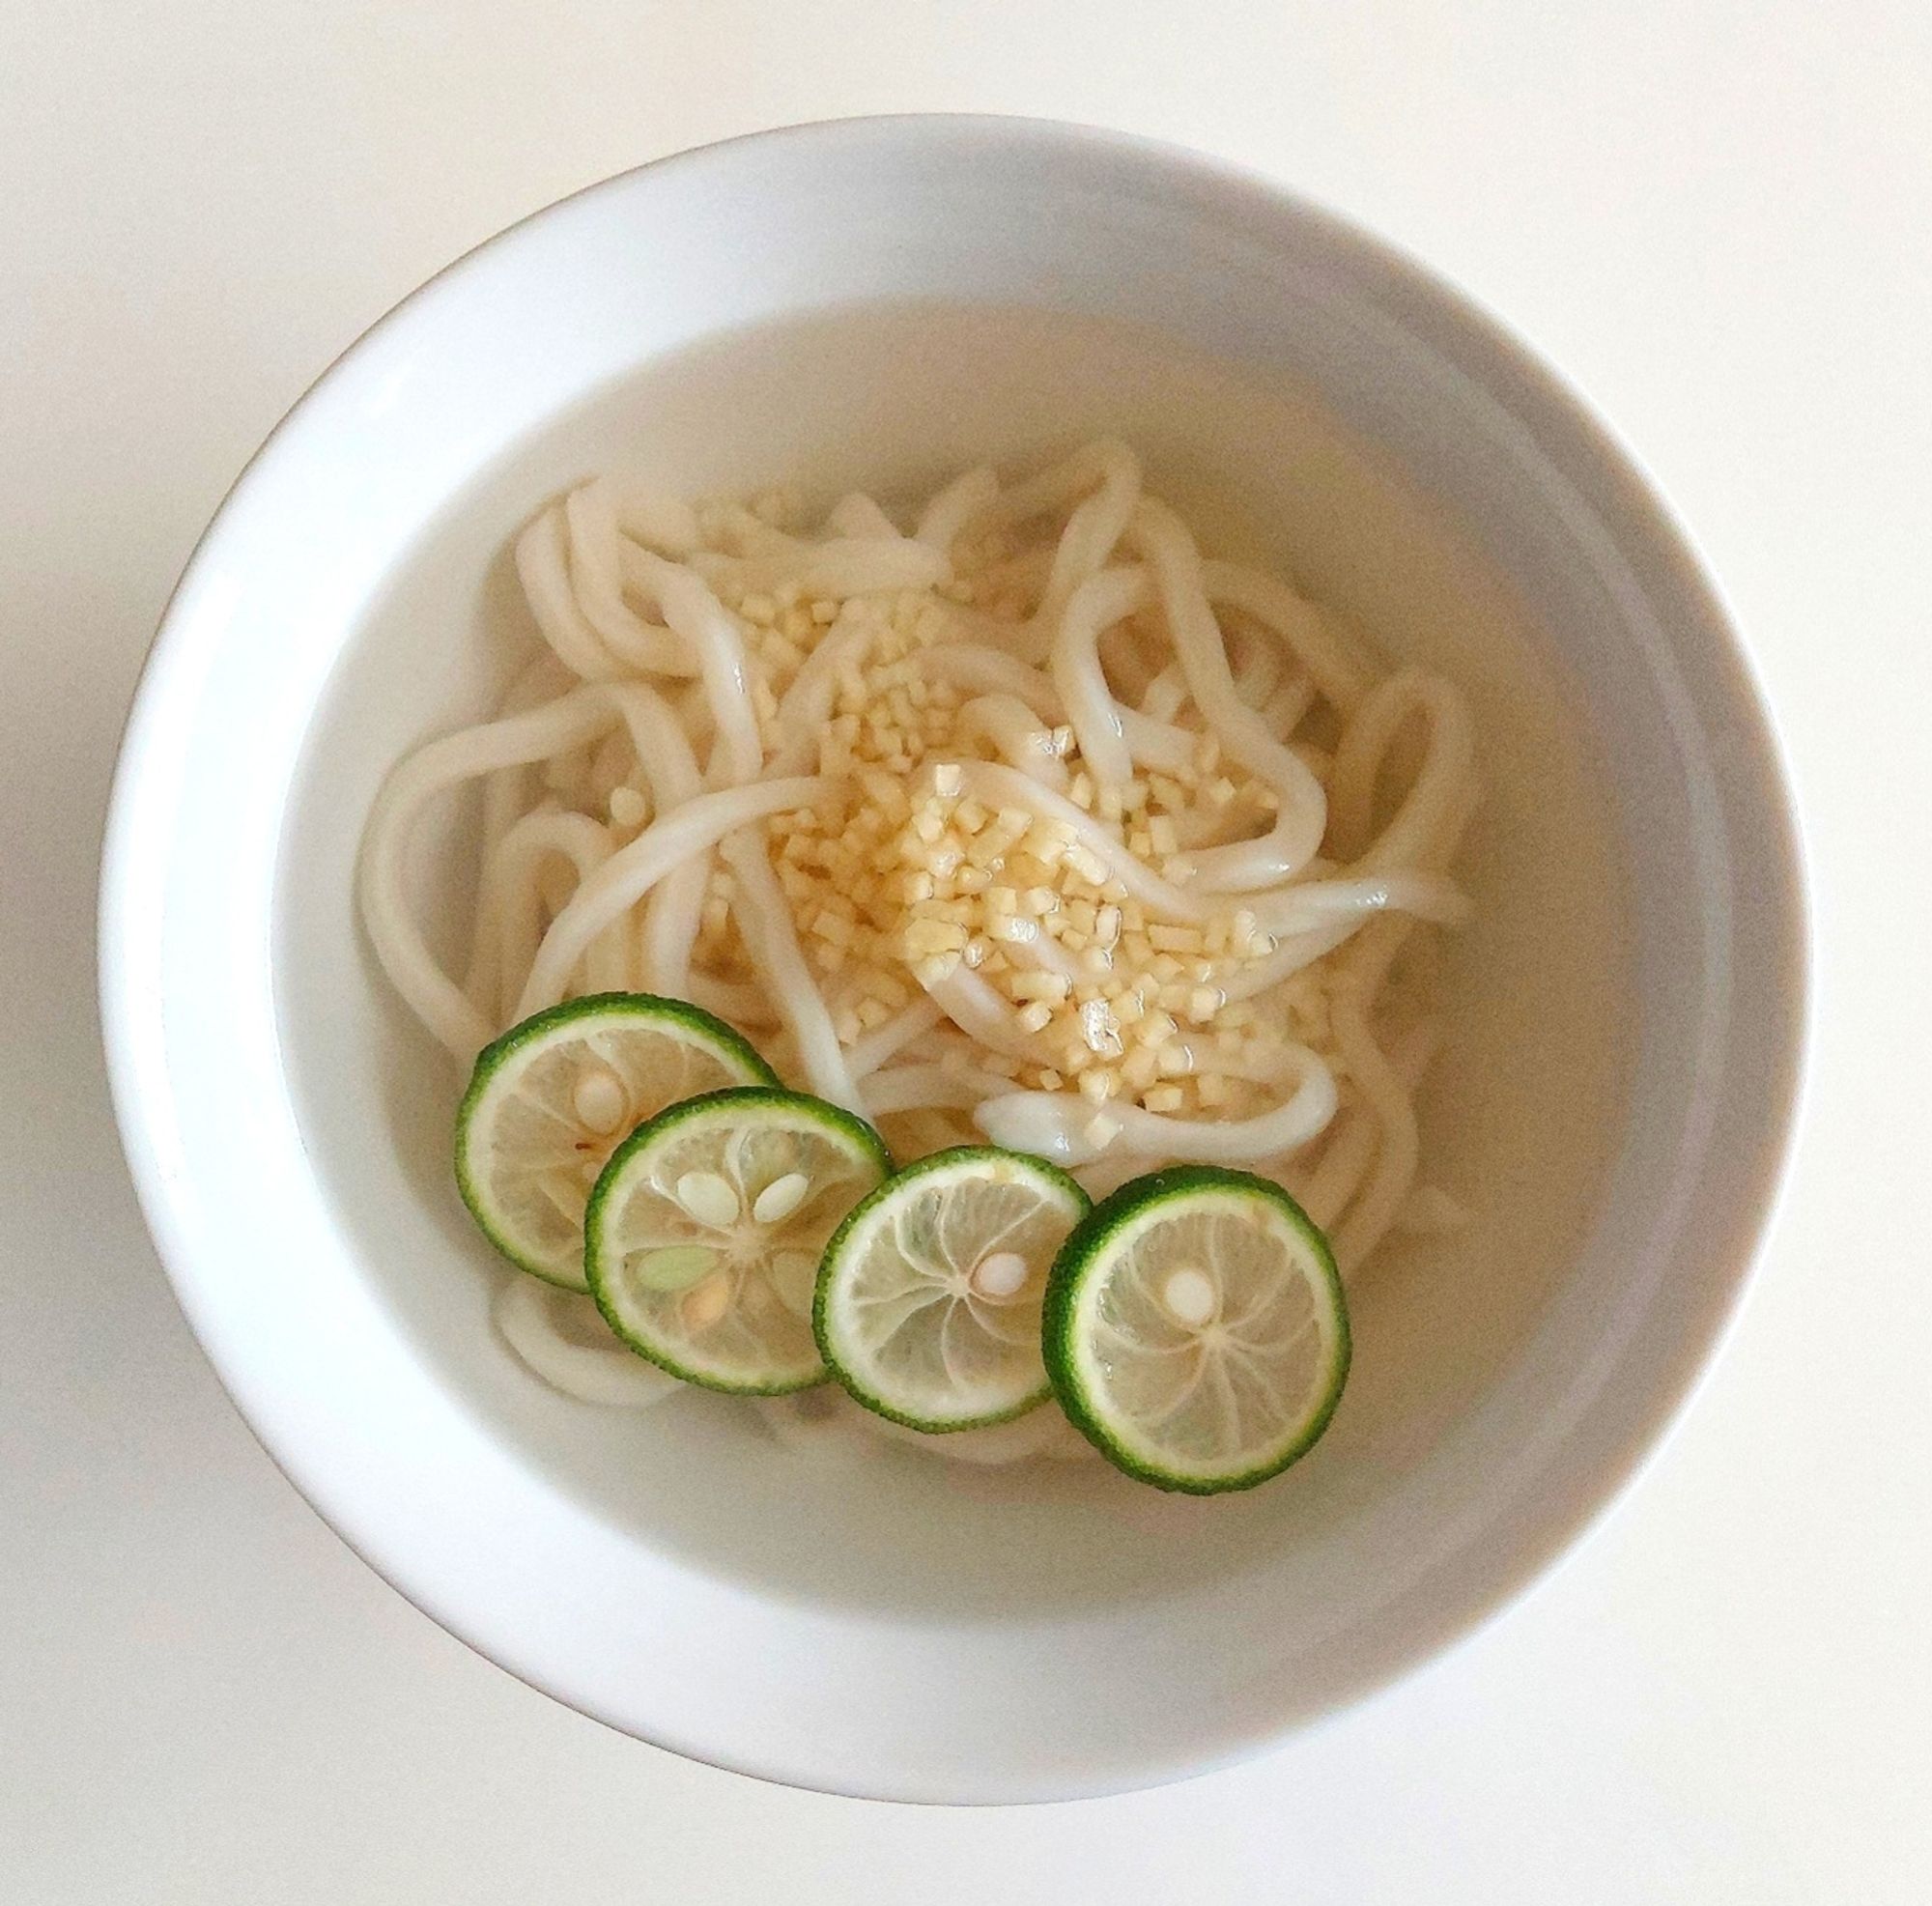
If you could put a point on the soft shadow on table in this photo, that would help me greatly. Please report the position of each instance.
(89, 1330)
(145, 1539)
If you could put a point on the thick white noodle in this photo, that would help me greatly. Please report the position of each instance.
(857, 514)
(1431, 807)
(1166, 695)
(1296, 622)
(1000, 786)
(1094, 530)
(1398, 1148)
(1289, 909)
(850, 566)
(807, 704)
(976, 1007)
(1018, 734)
(1306, 904)
(1093, 623)
(765, 925)
(1054, 490)
(1293, 954)
(981, 668)
(543, 567)
(987, 670)
(871, 1050)
(510, 898)
(564, 1339)
(1256, 664)
(597, 569)
(712, 636)
(916, 1088)
(946, 516)
(671, 915)
(656, 519)
(736, 1000)
(1097, 604)
(629, 873)
(1245, 737)
(584, 715)
(506, 799)
(1070, 1130)
(1348, 1146)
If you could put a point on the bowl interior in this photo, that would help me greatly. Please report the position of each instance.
(1522, 1115)
(874, 307)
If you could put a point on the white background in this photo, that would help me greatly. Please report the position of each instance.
(1716, 217)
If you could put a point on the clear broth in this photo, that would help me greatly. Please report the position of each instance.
(1520, 1114)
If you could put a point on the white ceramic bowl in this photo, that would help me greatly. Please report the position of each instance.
(897, 1631)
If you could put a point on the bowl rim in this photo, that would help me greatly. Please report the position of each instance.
(1696, 1350)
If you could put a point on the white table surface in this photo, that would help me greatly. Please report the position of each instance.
(1716, 217)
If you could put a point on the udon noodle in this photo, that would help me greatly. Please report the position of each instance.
(1017, 820)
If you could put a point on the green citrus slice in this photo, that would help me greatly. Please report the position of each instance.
(929, 1301)
(1195, 1329)
(550, 1100)
(703, 1235)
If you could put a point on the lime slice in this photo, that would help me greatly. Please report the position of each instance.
(551, 1098)
(928, 1301)
(703, 1234)
(1195, 1329)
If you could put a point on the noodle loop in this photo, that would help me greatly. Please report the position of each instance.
(1033, 818)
